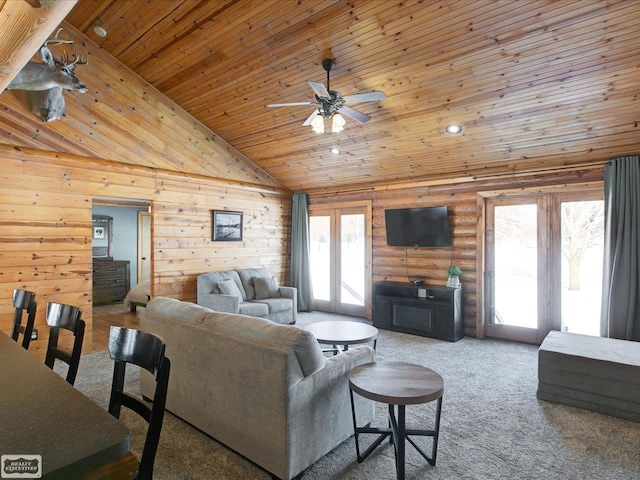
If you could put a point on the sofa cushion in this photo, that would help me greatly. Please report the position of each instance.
(266, 287)
(185, 311)
(303, 343)
(229, 287)
(208, 282)
(246, 278)
(253, 308)
(276, 305)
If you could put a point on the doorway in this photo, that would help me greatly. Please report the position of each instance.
(144, 245)
(131, 237)
(543, 264)
(340, 252)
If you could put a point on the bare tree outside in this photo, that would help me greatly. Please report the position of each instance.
(516, 258)
(582, 228)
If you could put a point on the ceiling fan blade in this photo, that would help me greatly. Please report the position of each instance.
(308, 121)
(365, 97)
(319, 89)
(292, 104)
(354, 114)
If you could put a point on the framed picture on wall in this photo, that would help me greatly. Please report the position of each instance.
(98, 232)
(227, 226)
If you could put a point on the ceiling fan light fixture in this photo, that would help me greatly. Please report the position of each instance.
(338, 123)
(318, 124)
(335, 150)
(453, 129)
(328, 102)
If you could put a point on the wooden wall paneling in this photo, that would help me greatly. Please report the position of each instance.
(178, 20)
(123, 118)
(343, 17)
(534, 85)
(408, 38)
(183, 16)
(196, 45)
(45, 212)
(87, 13)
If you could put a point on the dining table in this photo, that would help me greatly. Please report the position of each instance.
(53, 429)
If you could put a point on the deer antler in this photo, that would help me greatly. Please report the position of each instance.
(79, 60)
(57, 40)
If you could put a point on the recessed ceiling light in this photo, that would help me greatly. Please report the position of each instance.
(100, 31)
(335, 150)
(453, 129)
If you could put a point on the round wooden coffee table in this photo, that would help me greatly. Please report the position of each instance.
(397, 384)
(343, 333)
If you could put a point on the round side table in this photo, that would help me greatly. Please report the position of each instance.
(397, 384)
(343, 333)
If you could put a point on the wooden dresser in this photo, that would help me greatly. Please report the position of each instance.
(110, 281)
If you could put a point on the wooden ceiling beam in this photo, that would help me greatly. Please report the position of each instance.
(23, 29)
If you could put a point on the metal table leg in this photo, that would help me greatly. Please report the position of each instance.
(398, 434)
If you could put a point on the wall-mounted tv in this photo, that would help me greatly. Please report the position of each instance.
(418, 227)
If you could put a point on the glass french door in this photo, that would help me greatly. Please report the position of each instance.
(581, 247)
(543, 265)
(338, 253)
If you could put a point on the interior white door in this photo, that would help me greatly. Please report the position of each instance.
(144, 246)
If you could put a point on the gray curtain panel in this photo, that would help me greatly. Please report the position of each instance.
(621, 280)
(300, 270)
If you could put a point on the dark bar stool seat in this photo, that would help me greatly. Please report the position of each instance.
(146, 350)
(24, 302)
(67, 317)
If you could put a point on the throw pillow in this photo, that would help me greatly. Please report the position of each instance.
(229, 287)
(266, 287)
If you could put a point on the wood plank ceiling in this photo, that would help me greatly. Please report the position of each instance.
(535, 84)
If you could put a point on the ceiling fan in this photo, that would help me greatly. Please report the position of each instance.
(330, 102)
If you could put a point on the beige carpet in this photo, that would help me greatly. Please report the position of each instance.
(493, 427)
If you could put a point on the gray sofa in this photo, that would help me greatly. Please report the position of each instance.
(248, 291)
(594, 373)
(263, 389)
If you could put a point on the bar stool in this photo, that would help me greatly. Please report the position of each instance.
(24, 302)
(146, 350)
(60, 316)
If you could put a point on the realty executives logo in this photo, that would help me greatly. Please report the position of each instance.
(21, 466)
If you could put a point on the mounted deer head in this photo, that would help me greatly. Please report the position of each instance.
(45, 82)
(47, 105)
(52, 72)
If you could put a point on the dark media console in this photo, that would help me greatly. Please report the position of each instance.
(427, 310)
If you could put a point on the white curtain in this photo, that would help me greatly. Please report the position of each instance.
(621, 280)
(300, 272)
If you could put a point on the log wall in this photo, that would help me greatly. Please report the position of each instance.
(398, 263)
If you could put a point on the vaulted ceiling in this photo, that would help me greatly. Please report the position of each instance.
(534, 84)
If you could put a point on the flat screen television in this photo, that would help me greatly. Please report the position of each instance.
(418, 227)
